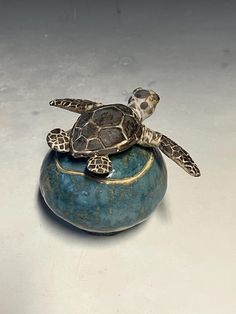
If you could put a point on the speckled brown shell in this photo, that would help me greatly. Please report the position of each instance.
(105, 130)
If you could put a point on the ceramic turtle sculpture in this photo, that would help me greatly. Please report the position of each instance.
(102, 130)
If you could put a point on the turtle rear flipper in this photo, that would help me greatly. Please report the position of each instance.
(58, 140)
(99, 165)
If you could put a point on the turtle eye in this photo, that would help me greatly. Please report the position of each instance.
(144, 105)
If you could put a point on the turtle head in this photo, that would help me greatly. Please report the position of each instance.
(143, 102)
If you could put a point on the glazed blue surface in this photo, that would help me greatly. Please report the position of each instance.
(125, 198)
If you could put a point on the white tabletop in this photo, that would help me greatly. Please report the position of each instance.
(183, 259)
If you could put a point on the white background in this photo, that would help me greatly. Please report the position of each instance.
(183, 259)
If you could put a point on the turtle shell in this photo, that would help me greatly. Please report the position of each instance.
(105, 130)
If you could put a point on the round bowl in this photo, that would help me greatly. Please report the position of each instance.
(104, 205)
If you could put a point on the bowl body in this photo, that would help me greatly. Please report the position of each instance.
(104, 204)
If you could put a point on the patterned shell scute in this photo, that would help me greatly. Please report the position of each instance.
(105, 130)
(108, 117)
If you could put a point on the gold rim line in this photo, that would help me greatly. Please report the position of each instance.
(127, 180)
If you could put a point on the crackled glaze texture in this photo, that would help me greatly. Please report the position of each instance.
(104, 205)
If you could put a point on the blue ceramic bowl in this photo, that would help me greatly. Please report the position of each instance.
(104, 204)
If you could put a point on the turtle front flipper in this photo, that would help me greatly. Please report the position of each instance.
(178, 155)
(170, 149)
(58, 140)
(99, 165)
(75, 105)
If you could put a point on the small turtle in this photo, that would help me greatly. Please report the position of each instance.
(102, 130)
